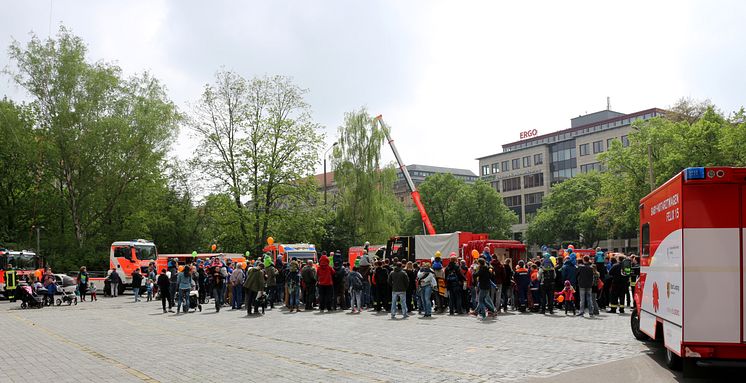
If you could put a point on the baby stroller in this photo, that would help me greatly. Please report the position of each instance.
(194, 300)
(66, 287)
(29, 299)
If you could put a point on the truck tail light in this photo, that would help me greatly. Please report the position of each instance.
(699, 352)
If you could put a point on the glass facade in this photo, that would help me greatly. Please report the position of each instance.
(564, 161)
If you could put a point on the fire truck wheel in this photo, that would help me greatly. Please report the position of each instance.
(635, 325)
(673, 361)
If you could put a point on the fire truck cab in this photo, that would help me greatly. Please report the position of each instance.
(691, 287)
(131, 255)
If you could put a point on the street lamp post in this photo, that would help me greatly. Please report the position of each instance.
(38, 235)
(325, 154)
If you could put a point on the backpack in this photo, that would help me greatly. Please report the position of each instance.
(356, 281)
(626, 267)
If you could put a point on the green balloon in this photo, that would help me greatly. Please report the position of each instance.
(247, 254)
(194, 254)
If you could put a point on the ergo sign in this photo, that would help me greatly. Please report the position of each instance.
(528, 134)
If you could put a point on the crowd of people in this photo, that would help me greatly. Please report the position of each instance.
(485, 288)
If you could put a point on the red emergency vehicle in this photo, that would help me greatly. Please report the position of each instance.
(691, 287)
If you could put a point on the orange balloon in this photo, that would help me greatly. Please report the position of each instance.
(270, 241)
(561, 298)
(214, 247)
(475, 254)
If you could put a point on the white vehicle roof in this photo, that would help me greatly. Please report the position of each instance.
(134, 242)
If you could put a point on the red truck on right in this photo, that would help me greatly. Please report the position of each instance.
(691, 292)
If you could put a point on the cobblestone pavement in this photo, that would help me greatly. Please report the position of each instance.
(115, 340)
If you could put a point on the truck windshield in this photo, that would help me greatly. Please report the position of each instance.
(23, 262)
(145, 252)
(302, 254)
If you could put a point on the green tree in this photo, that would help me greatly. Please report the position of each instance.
(479, 208)
(104, 136)
(259, 141)
(19, 173)
(367, 209)
(569, 213)
(439, 193)
(689, 134)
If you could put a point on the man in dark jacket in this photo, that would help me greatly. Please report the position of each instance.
(164, 288)
(399, 281)
(507, 292)
(308, 277)
(454, 282)
(619, 283)
(585, 286)
(483, 279)
(136, 284)
(522, 281)
(547, 275)
(255, 282)
(498, 277)
(380, 279)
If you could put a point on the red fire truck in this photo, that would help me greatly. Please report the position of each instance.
(691, 292)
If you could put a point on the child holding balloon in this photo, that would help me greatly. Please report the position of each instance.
(567, 297)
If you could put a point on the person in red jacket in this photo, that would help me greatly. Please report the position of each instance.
(324, 274)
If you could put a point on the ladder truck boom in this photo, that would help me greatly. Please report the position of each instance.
(412, 188)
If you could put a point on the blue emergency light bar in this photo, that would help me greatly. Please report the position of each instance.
(694, 174)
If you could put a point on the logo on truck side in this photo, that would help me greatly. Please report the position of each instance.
(656, 303)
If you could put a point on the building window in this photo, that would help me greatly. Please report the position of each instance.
(584, 150)
(496, 186)
(511, 184)
(534, 198)
(526, 161)
(598, 147)
(593, 167)
(538, 159)
(485, 170)
(504, 165)
(512, 201)
(625, 141)
(495, 168)
(533, 180)
(608, 142)
(516, 163)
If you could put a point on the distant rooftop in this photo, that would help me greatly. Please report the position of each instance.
(585, 124)
(438, 169)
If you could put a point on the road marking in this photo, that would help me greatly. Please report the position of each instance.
(134, 372)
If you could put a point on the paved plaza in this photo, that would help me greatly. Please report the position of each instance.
(115, 340)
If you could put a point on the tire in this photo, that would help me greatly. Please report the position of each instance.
(59, 302)
(635, 326)
(70, 302)
(23, 305)
(673, 361)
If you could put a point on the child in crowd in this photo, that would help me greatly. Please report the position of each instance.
(149, 289)
(92, 291)
(568, 295)
(534, 288)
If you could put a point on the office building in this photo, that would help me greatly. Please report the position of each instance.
(525, 170)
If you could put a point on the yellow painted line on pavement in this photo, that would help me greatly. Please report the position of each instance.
(134, 372)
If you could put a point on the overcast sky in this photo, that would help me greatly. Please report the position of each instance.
(454, 79)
